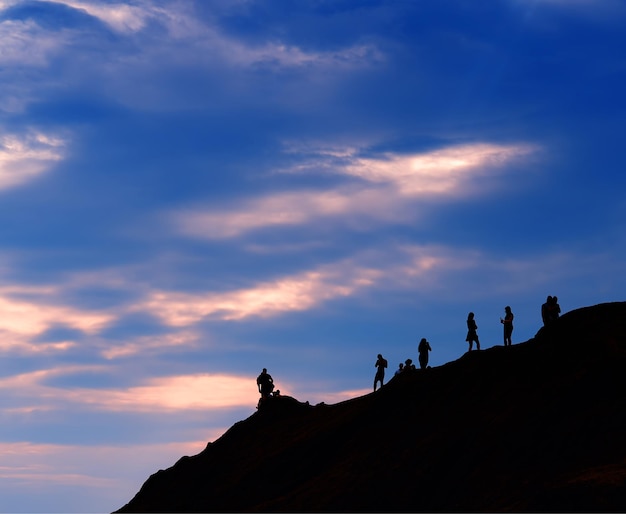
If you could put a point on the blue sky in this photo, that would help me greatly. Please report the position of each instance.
(192, 191)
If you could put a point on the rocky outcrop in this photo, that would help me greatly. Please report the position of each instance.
(538, 426)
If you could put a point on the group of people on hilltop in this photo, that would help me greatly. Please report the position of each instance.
(549, 312)
(472, 327)
(381, 363)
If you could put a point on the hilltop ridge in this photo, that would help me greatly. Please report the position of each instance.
(538, 426)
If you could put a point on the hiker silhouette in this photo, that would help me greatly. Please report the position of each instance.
(556, 308)
(399, 370)
(550, 310)
(381, 364)
(423, 349)
(471, 332)
(545, 314)
(265, 383)
(508, 325)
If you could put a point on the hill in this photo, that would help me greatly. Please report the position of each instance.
(537, 426)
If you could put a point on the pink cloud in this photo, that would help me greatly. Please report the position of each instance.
(23, 158)
(390, 186)
(298, 292)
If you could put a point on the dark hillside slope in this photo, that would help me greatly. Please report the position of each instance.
(539, 426)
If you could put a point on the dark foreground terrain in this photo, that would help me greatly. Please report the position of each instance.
(539, 426)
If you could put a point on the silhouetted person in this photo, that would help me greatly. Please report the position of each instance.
(551, 310)
(508, 325)
(423, 349)
(554, 309)
(472, 327)
(408, 365)
(381, 364)
(399, 370)
(265, 383)
(545, 311)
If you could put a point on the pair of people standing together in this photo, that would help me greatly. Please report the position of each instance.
(507, 321)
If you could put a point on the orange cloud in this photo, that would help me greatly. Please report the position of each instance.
(184, 392)
(188, 392)
(32, 392)
(21, 320)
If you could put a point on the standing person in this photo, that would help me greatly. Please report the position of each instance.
(265, 383)
(545, 311)
(471, 332)
(554, 309)
(381, 364)
(508, 325)
(423, 349)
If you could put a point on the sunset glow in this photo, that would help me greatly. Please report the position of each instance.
(194, 191)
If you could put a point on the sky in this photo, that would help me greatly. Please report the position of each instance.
(191, 191)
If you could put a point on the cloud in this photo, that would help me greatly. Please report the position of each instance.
(286, 209)
(37, 477)
(151, 44)
(306, 290)
(290, 56)
(35, 392)
(294, 293)
(437, 172)
(145, 344)
(123, 18)
(32, 461)
(24, 43)
(32, 392)
(35, 317)
(183, 26)
(24, 157)
(29, 311)
(399, 181)
(188, 392)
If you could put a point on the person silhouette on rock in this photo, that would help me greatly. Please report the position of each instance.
(265, 383)
(381, 364)
(471, 332)
(423, 349)
(545, 311)
(508, 325)
(554, 309)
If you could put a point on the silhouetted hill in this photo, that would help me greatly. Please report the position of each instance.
(539, 426)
